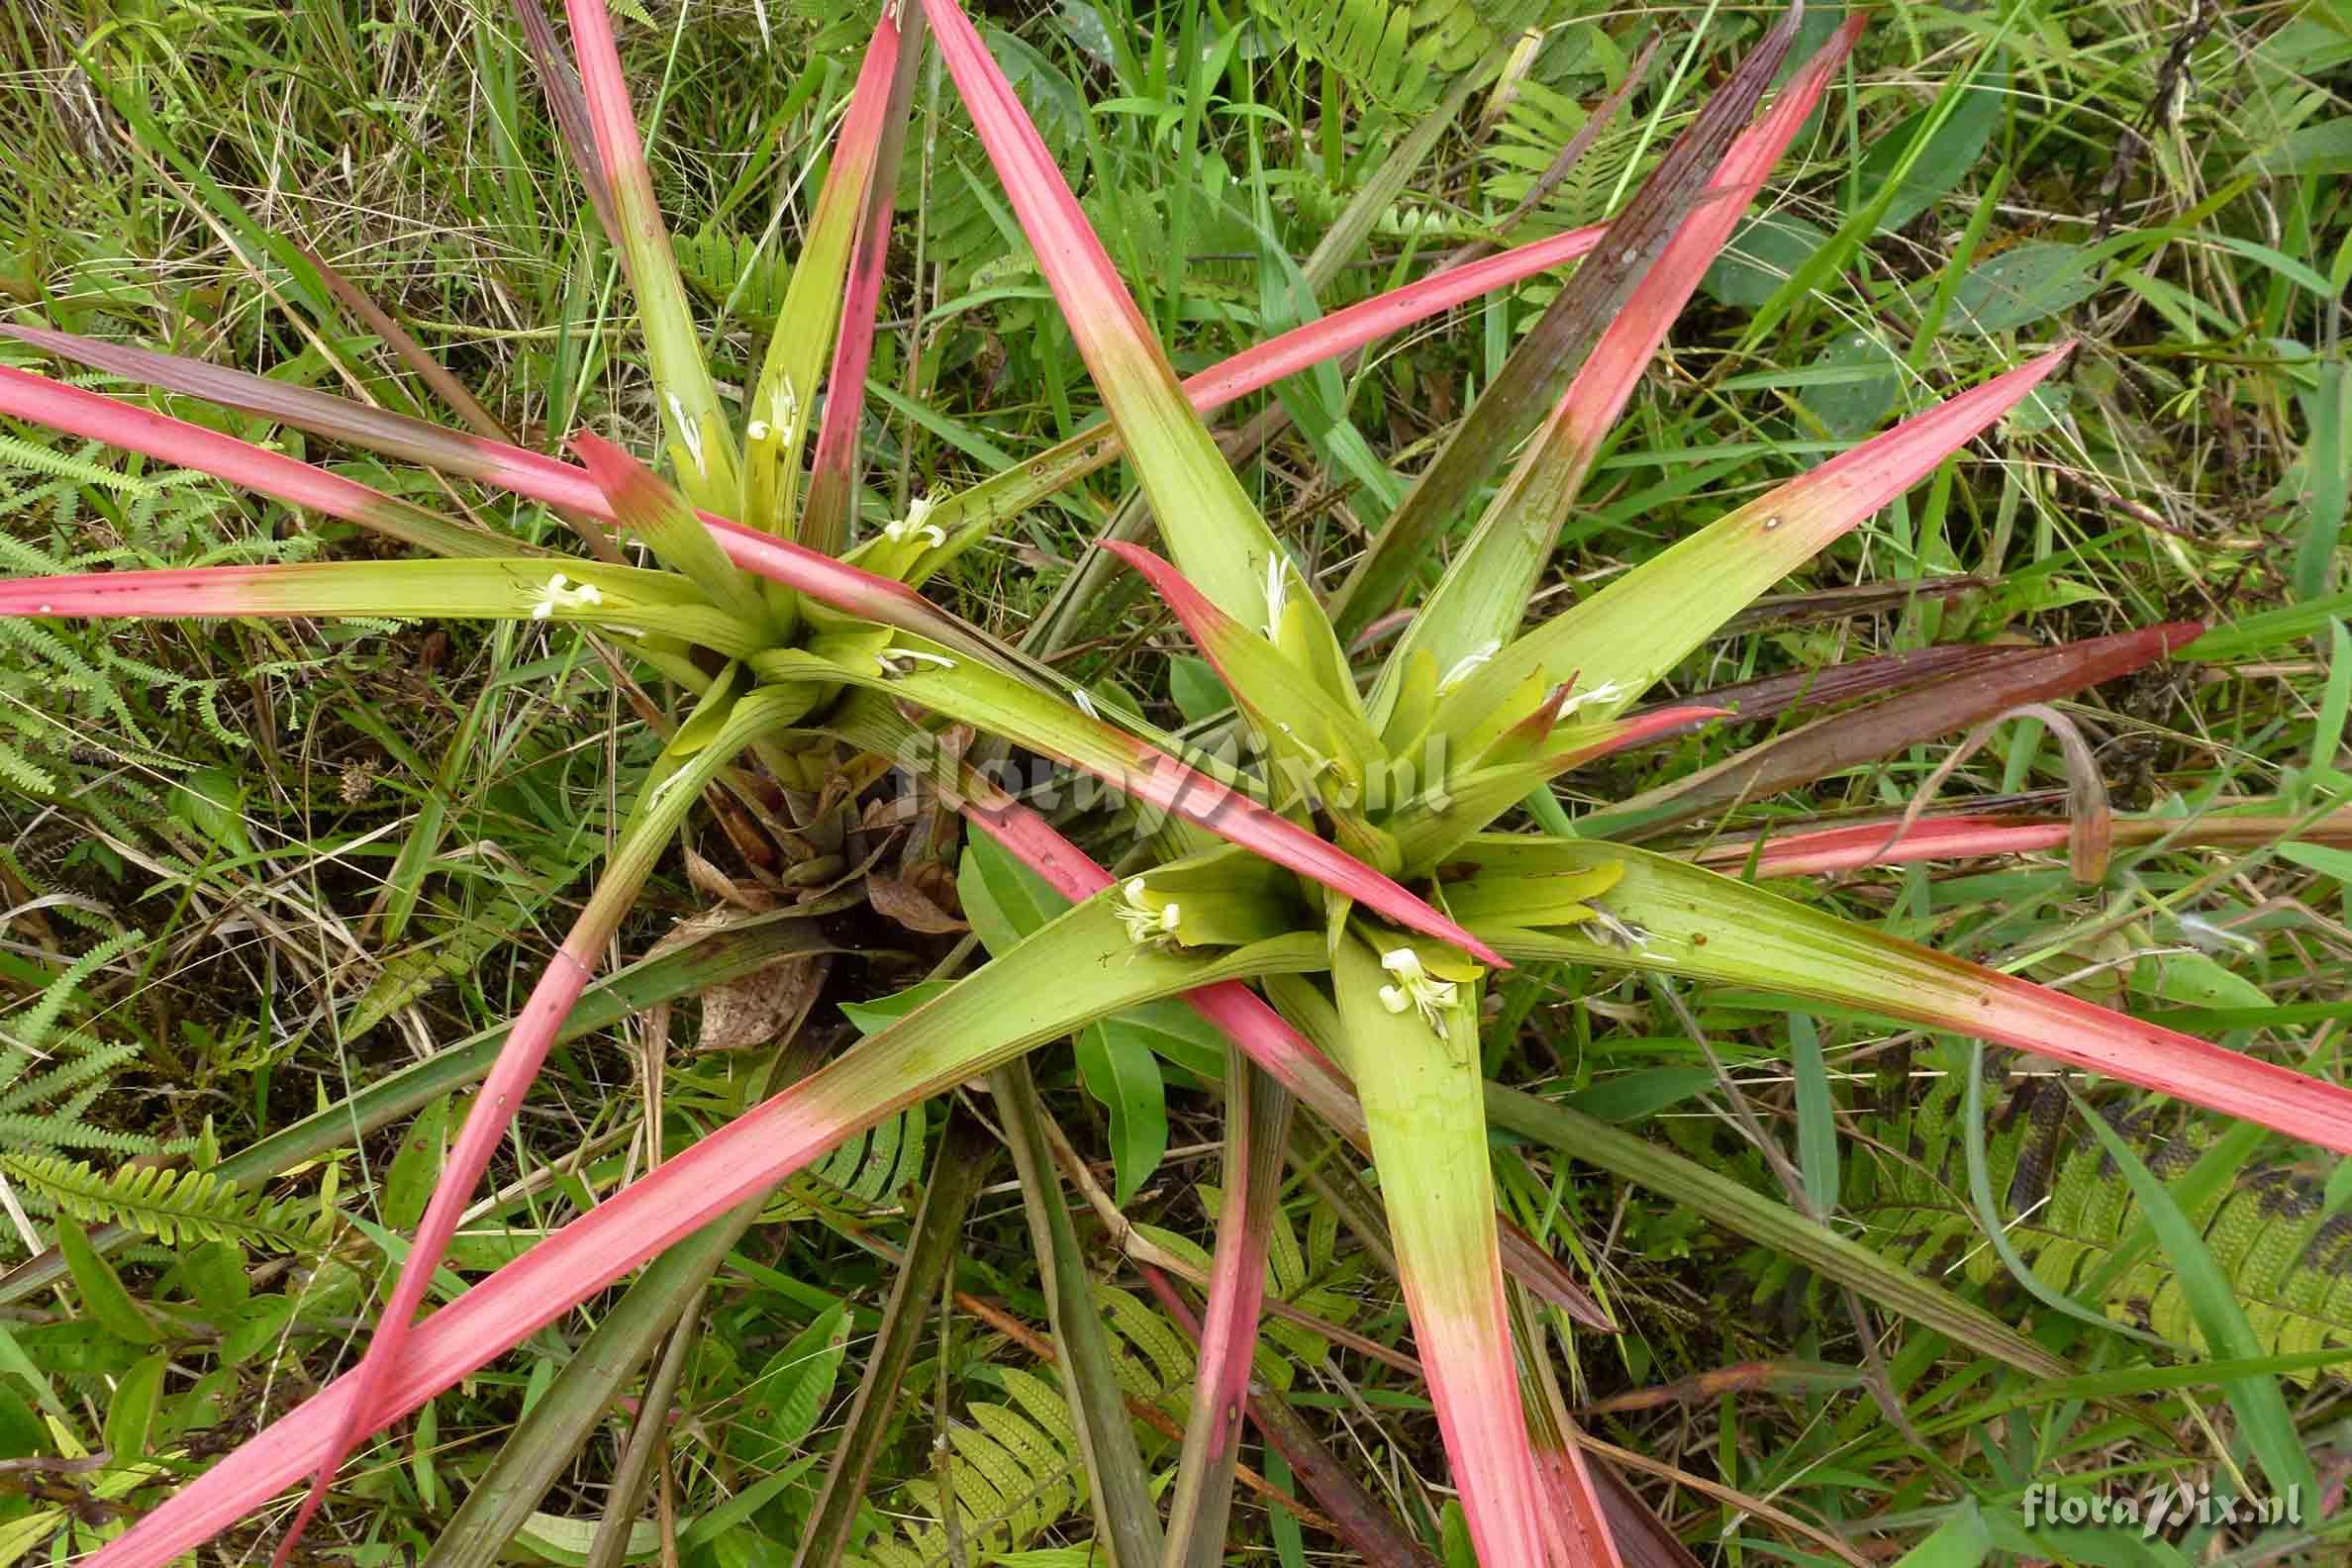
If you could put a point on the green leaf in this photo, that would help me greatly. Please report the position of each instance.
(1759, 258)
(1951, 151)
(1119, 1069)
(408, 1185)
(103, 1294)
(1197, 691)
(130, 1409)
(1959, 1543)
(2022, 287)
(1818, 1155)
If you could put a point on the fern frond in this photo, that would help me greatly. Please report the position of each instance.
(75, 467)
(173, 1206)
(30, 1029)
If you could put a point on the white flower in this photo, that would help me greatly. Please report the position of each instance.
(913, 525)
(1144, 925)
(1415, 987)
(1085, 703)
(690, 432)
(893, 662)
(1277, 592)
(1606, 692)
(757, 431)
(560, 595)
(1467, 666)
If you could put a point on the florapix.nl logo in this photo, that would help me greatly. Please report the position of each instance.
(2165, 1509)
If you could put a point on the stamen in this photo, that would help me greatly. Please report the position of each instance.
(1417, 988)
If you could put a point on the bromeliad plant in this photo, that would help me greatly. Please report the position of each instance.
(1365, 889)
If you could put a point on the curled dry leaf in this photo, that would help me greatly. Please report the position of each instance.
(909, 902)
(763, 1006)
(709, 879)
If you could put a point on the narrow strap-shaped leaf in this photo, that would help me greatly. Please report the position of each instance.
(1257, 1123)
(657, 813)
(702, 441)
(657, 515)
(570, 105)
(837, 280)
(1692, 921)
(1486, 587)
(588, 592)
(1642, 624)
(1424, 1103)
(1264, 1035)
(1965, 835)
(1215, 531)
(40, 401)
(1884, 727)
(1079, 969)
(1532, 379)
(479, 458)
(974, 694)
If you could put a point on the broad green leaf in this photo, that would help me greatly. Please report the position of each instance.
(1947, 151)
(2022, 287)
(1959, 1543)
(1117, 1067)
(130, 1409)
(416, 1167)
(103, 1294)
